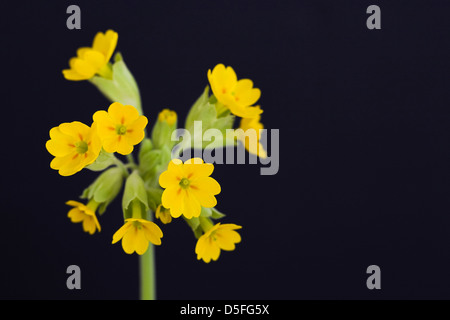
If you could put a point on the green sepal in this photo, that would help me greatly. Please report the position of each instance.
(145, 147)
(204, 110)
(194, 223)
(103, 161)
(154, 198)
(162, 134)
(216, 214)
(122, 87)
(134, 191)
(198, 232)
(105, 188)
(196, 110)
(206, 212)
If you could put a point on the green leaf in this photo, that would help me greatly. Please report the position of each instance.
(103, 161)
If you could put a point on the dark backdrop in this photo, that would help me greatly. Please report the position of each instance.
(364, 119)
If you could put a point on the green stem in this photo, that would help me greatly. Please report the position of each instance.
(147, 274)
(130, 159)
(120, 164)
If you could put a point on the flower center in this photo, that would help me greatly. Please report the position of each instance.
(81, 147)
(121, 129)
(137, 225)
(184, 183)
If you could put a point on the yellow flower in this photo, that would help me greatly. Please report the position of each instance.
(120, 128)
(74, 145)
(252, 142)
(85, 214)
(168, 116)
(236, 95)
(219, 237)
(163, 214)
(188, 187)
(93, 60)
(135, 235)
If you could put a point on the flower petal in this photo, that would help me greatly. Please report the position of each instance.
(121, 232)
(172, 198)
(245, 94)
(135, 131)
(72, 75)
(76, 215)
(105, 43)
(121, 114)
(191, 206)
(130, 239)
(206, 184)
(152, 232)
(75, 129)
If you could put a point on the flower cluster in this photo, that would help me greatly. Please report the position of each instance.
(156, 186)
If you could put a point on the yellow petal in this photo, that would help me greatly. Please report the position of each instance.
(207, 184)
(172, 175)
(224, 78)
(121, 114)
(105, 43)
(245, 94)
(83, 68)
(226, 239)
(152, 232)
(191, 206)
(73, 203)
(60, 144)
(204, 197)
(72, 75)
(89, 225)
(94, 58)
(135, 131)
(72, 165)
(172, 198)
(76, 215)
(111, 144)
(168, 179)
(129, 240)
(75, 129)
(242, 111)
(105, 126)
(141, 242)
(121, 232)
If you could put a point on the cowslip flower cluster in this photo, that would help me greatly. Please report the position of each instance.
(156, 185)
(238, 96)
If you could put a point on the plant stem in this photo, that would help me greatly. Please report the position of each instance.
(147, 274)
(120, 164)
(130, 159)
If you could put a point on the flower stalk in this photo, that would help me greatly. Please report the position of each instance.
(147, 274)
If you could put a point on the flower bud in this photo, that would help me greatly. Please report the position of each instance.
(162, 131)
(135, 201)
(122, 87)
(105, 188)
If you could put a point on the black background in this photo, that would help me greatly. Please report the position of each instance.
(364, 119)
